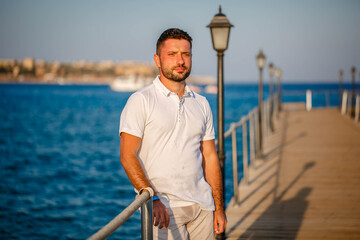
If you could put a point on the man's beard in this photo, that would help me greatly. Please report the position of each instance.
(176, 77)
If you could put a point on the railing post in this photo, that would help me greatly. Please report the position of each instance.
(257, 132)
(146, 220)
(357, 108)
(268, 117)
(344, 102)
(264, 120)
(235, 163)
(349, 103)
(277, 99)
(252, 137)
(271, 113)
(308, 100)
(276, 106)
(245, 153)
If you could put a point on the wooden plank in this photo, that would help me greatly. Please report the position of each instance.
(308, 184)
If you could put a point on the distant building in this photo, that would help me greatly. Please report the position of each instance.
(28, 64)
(40, 68)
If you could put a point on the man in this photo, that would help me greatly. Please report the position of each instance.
(167, 145)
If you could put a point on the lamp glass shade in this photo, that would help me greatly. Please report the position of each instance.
(261, 62)
(260, 59)
(220, 38)
(277, 72)
(353, 71)
(271, 69)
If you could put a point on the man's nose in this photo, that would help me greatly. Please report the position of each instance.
(180, 59)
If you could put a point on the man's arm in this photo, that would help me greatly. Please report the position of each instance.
(129, 147)
(213, 177)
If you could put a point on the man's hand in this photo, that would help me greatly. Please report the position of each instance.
(160, 214)
(219, 221)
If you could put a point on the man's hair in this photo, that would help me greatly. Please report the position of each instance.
(172, 33)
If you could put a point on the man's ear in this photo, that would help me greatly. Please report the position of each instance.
(157, 60)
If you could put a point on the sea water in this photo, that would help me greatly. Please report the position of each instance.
(61, 176)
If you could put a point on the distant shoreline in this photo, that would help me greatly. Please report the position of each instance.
(89, 80)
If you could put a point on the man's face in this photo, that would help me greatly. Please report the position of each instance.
(174, 59)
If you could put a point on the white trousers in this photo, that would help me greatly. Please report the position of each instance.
(187, 223)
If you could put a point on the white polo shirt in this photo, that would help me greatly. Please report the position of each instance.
(171, 130)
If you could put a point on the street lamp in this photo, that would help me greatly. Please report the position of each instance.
(341, 75)
(220, 32)
(260, 59)
(353, 72)
(271, 87)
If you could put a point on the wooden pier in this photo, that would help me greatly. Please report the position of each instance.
(307, 186)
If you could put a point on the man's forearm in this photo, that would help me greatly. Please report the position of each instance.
(213, 177)
(212, 172)
(129, 146)
(135, 172)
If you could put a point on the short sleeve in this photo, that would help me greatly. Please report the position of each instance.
(133, 116)
(209, 128)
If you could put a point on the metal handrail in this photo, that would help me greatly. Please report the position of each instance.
(309, 93)
(145, 202)
(271, 108)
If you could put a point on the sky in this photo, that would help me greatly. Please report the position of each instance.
(309, 40)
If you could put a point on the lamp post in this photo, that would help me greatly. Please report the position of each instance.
(220, 32)
(341, 75)
(271, 89)
(353, 72)
(260, 59)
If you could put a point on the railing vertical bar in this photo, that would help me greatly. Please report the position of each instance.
(344, 102)
(276, 110)
(266, 118)
(263, 120)
(245, 153)
(349, 103)
(146, 220)
(357, 108)
(308, 100)
(257, 134)
(269, 116)
(252, 137)
(278, 104)
(235, 163)
(279, 100)
(273, 111)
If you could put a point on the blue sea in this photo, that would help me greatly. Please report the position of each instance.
(61, 176)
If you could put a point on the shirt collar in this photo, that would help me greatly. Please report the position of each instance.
(167, 92)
